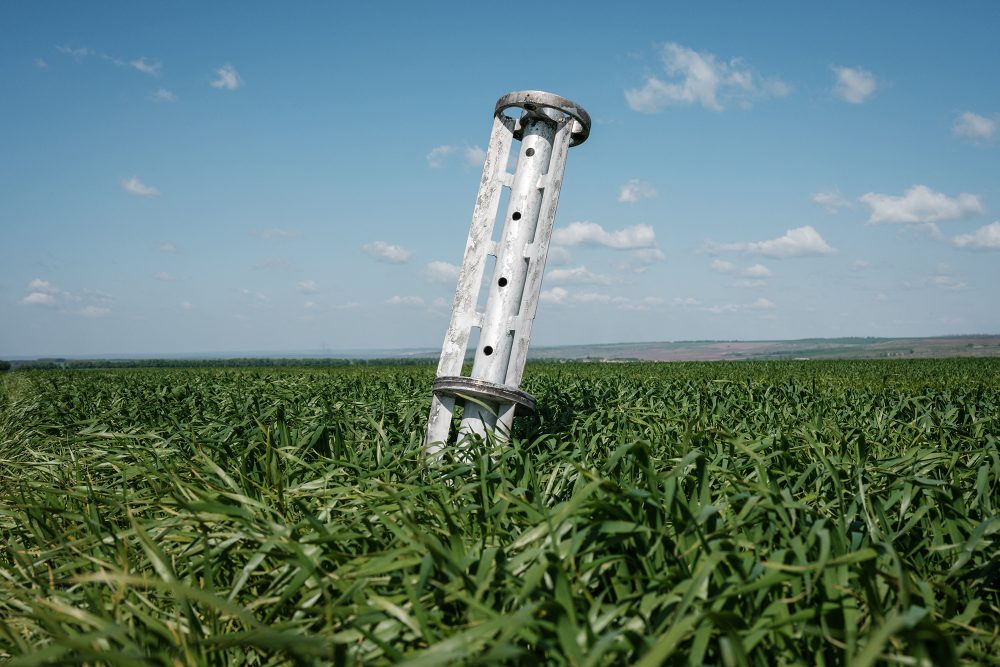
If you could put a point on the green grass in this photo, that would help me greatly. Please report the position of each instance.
(738, 514)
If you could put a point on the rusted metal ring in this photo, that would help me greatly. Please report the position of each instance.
(463, 387)
(535, 101)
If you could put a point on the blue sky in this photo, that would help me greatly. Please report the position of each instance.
(181, 178)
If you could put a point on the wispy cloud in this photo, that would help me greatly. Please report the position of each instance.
(162, 95)
(150, 67)
(405, 301)
(134, 186)
(984, 238)
(591, 233)
(563, 296)
(641, 259)
(307, 287)
(441, 272)
(695, 77)
(853, 84)
(554, 295)
(163, 276)
(167, 247)
(758, 304)
(76, 54)
(975, 128)
(635, 190)
(387, 252)
(799, 242)
(437, 155)
(41, 64)
(227, 78)
(88, 303)
(474, 156)
(579, 275)
(920, 204)
(831, 200)
(94, 311)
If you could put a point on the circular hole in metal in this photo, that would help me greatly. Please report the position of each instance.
(502, 282)
(488, 350)
(517, 215)
(529, 152)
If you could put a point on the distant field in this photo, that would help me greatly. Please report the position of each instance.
(816, 348)
(752, 513)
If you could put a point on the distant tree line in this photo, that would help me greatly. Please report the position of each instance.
(248, 362)
(4, 366)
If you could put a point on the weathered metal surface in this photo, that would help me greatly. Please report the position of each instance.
(459, 386)
(547, 127)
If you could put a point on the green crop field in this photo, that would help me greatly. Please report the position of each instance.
(750, 513)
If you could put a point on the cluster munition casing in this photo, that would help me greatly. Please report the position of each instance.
(546, 127)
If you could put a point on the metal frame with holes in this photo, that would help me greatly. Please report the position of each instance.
(548, 125)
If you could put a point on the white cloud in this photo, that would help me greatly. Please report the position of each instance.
(134, 186)
(984, 238)
(590, 233)
(77, 54)
(722, 266)
(757, 271)
(167, 247)
(975, 128)
(43, 293)
(579, 275)
(759, 304)
(920, 204)
(797, 242)
(853, 85)
(831, 200)
(163, 276)
(228, 78)
(257, 299)
(697, 78)
(150, 67)
(472, 156)
(686, 301)
(475, 156)
(187, 305)
(307, 287)
(41, 64)
(405, 301)
(440, 303)
(38, 299)
(860, 265)
(554, 295)
(94, 311)
(747, 283)
(162, 95)
(387, 252)
(436, 156)
(441, 272)
(945, 282)
(635, 190)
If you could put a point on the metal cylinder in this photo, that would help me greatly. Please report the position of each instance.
(546, 127)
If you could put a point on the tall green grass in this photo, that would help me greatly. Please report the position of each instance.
(736, 514)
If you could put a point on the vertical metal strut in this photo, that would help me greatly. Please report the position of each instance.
(547, 126)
